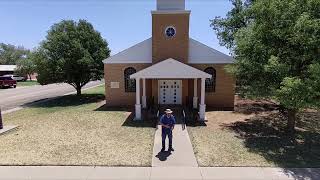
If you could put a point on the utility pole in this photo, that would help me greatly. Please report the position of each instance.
(1, 124)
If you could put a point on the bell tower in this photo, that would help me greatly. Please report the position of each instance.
(170, 31)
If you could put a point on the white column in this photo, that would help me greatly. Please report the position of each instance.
(195, 93)
(144, 98)
(138, 105)
(202, 110)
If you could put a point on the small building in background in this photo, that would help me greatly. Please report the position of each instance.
(11, 69)
(7, 69)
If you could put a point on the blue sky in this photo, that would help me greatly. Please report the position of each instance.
(122, 23)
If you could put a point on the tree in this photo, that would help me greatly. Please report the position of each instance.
(277, 54)
(10, 54)
(72, 53)
(226, 28)
(26, 66)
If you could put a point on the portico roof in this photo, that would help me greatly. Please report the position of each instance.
(169, 69)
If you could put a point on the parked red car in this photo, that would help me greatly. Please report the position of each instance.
(7, 82)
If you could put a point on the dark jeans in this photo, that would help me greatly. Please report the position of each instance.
(166, 132)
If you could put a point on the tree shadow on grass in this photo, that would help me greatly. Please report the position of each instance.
(65, 101)
(254, 107)
(265, 135)
(303, 173)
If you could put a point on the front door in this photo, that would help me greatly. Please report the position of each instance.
(170, 92)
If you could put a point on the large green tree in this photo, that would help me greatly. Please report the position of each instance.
(72, 53)
(10, 54)
(26, 66)
(277, 53)
(227, 27)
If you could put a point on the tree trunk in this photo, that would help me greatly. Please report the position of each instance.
(292, 116)
(78, 90)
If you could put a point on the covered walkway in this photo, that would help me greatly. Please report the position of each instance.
(170, 69)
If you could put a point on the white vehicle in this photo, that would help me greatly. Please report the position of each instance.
(15, 77)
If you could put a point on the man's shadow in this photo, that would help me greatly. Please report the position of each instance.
(162, 156)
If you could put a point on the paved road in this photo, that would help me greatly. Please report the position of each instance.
(12, 98)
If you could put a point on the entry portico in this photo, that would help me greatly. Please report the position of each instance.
(167, 71)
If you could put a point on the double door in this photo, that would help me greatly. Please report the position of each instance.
(170, 91)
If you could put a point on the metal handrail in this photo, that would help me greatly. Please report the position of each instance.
(183, 120)
(158, 119)
(1, 123)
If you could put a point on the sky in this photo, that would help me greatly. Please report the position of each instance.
(122, 23)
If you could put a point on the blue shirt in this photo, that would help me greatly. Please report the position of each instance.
(167, 121)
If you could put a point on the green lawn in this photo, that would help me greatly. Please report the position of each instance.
(27, 83)
(76, 131)
(242, 139)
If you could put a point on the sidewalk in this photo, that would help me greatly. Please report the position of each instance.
(183, 156)
(154, 173)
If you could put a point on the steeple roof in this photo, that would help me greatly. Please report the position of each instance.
(167, 5)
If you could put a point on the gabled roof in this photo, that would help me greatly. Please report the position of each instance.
(200, 53)
(142, 53)
(170, 68)
(7, 67)
(139, 53)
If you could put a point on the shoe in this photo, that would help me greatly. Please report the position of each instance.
(170, 149)
(163, 149)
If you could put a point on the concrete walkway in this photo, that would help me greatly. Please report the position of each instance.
(7, 129)
(154, 173)
(183, 156)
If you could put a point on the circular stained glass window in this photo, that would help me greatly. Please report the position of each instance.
(170, 31)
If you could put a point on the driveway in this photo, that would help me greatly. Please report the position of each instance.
(12, 98)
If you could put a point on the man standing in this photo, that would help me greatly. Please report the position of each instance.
(167, 121)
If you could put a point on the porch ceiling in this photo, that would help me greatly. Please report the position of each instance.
(169, 69)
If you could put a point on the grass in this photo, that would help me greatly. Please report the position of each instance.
(27, 83)
(256, 138)
(76, 131)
